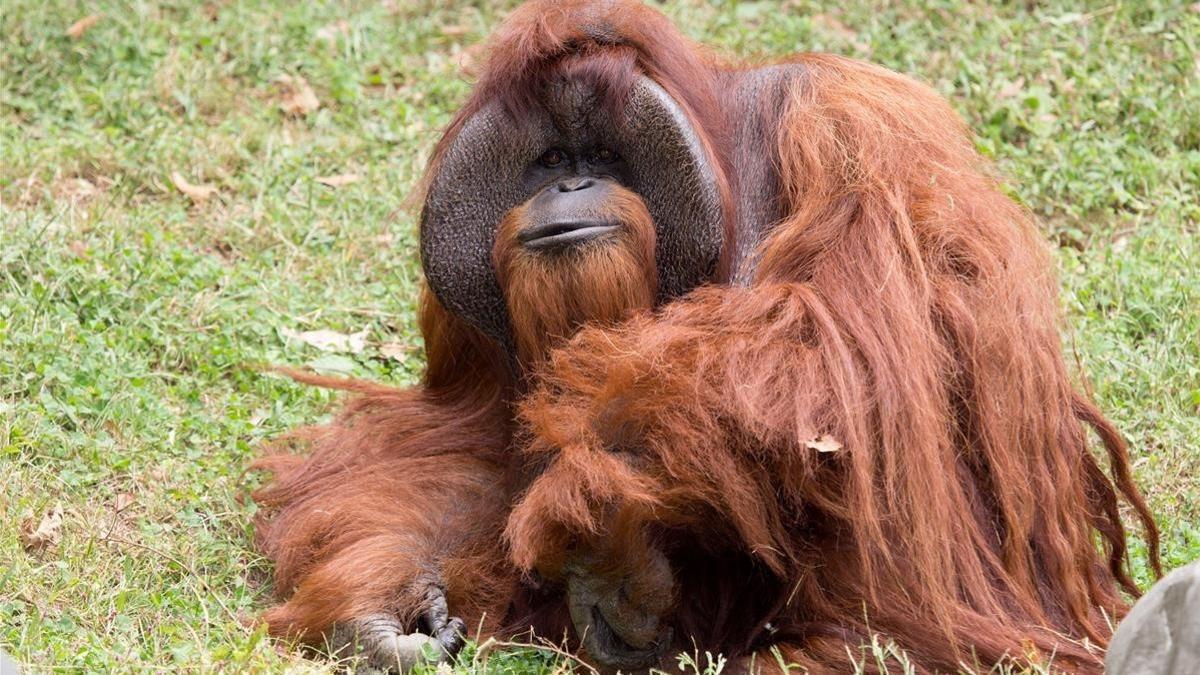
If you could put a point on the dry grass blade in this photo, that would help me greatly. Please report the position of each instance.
(339, 180)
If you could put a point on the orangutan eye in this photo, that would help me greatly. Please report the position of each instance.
(552, 157)
(604, 156)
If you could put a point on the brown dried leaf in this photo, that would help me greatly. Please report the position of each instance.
(82, 26)
(197, 193)
(298, 98)
(78, 248)
(338, 180)
(45, 534)
(455, 30)
(832, 24)
(122, 501)
(395, 351)
(825, 443)
(1011, 89)
(329, 340)
(75, 190)
(331, 32)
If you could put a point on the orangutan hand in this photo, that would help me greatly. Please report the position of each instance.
(384, 644)
(621, 616)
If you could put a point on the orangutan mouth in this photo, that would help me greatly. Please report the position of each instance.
(560, 235)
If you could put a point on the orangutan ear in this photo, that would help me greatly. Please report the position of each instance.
(484, 171)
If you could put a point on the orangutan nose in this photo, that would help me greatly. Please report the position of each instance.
(622, 621)
(575, 184)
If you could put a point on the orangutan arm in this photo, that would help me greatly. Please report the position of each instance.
(391, 523)
(379, 554)
(725, 382)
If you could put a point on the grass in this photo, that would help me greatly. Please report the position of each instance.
(130, 316)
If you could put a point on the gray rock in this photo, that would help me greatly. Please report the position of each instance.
(7, 667)
(1161, 635)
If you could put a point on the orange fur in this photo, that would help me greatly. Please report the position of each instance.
(906, 309)
(550, 297)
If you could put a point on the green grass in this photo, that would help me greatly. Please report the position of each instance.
(129, 317)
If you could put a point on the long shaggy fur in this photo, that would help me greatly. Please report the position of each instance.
(876, 435)
(549, 298)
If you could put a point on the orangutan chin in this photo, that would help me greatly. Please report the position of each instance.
(751, 359)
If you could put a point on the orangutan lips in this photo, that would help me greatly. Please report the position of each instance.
(620, 621)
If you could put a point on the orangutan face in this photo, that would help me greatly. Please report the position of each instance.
(570, 211)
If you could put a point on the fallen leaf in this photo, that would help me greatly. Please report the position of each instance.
(46, 534)
(333, 364)
(338, 180)
(78, 248)
(122, 501)
(197, 193)
(455, 30)
(395, 350)
(1011, 89)
(32, 190)
(76, 189)
(82, 26)
(330, 32)
(298, 98)
(825, 443)
(833, 25)
(329, 340)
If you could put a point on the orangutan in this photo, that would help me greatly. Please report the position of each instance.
(755, 360)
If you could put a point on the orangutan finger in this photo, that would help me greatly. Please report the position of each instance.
(453, 637)
(380, 639)
(450, 632)
(437, 611)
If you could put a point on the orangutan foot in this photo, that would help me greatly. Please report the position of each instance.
(384, 645)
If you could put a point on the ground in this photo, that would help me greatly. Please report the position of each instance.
(189, 190)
